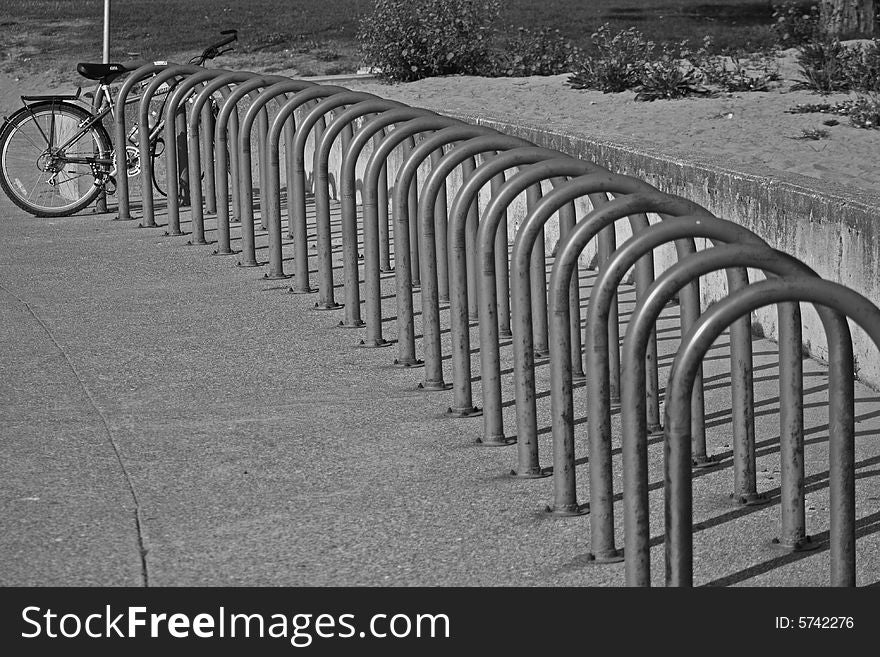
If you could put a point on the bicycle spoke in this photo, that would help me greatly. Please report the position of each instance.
(21, 132)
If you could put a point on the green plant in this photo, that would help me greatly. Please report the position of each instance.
(735, 71)
(864, 111)
(825, 65)
(864, 67)
(667, 77)
(412, 39)
(617, 63)
(829, 65)
(796, 23)
(534, 52)
(813, 134)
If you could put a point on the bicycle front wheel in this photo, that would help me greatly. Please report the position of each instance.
(50, 166)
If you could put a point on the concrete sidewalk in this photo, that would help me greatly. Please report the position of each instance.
(171, 419)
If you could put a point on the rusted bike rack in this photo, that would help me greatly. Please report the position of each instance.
(639, 367)
(431, 250)
(348, 216)
(375, 212)
(326, 298)
(220, 84)
(404, 221)
(460, 270)
(434, 224)
(375, 164)
(257, 112)
(227, 118)
(597, 342)
(678, 489)
(201, 115)
(741, 363)
(161, 77)
(120, 133)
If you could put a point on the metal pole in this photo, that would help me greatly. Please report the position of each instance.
(106, 59)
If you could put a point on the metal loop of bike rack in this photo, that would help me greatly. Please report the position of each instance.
(219, 83)
(678, 494)
(120, 133)
(459, 254)
(196, 148)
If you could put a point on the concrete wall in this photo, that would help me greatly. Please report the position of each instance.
(831, 228)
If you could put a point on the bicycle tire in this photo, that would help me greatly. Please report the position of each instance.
(38, 182)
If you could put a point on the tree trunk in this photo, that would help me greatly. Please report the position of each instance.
(847, 18)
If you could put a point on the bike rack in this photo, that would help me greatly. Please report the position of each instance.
(257, 111)
(296, 193)
(375, 212)
(678, 489)
(461, 272)
(181, 91)
(321, 187)
(378, 159)
(462, 254)
(228, 118)
(597, 341)
(195, 161)
(326, 300)
(432, 225)
(120, 134)
(743, 249)
(406, 177)
(604, 288)
(177, 70)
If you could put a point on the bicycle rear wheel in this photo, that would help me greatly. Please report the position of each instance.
(48, 163)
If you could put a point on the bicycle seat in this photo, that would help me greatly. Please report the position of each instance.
(106, 73)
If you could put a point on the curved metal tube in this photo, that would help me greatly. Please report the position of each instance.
(321, 186)
(373, 205)
(562, 406)
(757, 255)
(459, 270)
(149, 218)
(490, 368)
(406, 336)
(172, 105)
(679, 509)
(428, 224)
(228, 117)
(427, 206)
(195, 161)
(120, 137)
(338, 97)
(296, 192)
(257, 112)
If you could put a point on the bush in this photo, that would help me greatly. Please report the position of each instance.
(827, 65)
(668, 78)
(864, 111)
(796, 23)
(539, 52)
(618, 62)
(413, 39)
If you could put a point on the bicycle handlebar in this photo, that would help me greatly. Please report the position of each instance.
(214, 49)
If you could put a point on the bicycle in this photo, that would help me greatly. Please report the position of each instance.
(56, 156)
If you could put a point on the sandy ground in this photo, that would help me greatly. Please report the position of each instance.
(745, 129)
